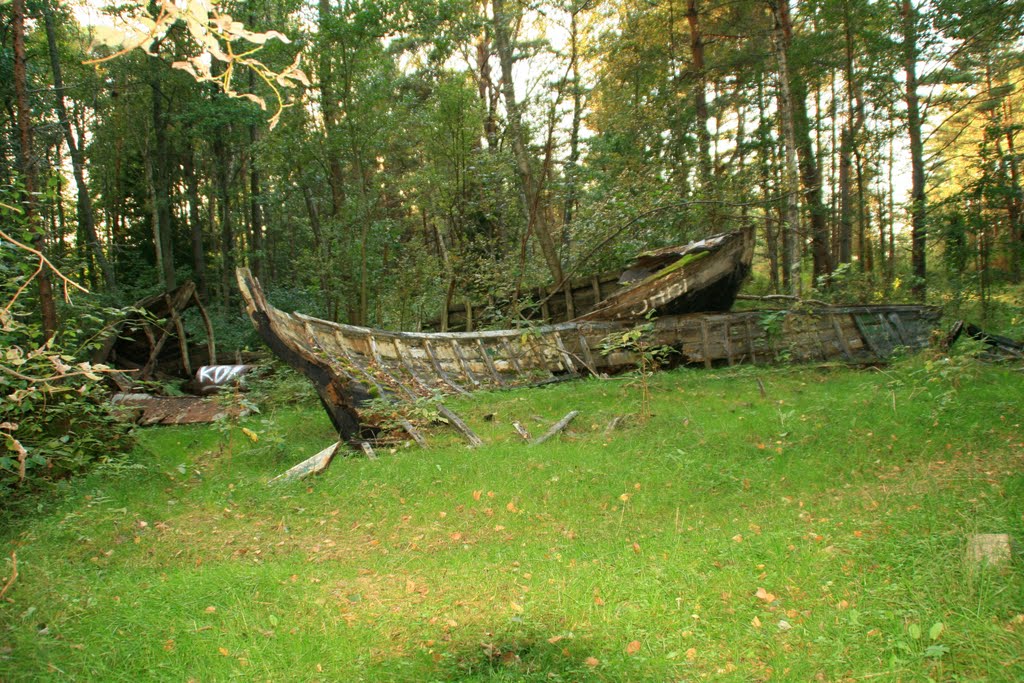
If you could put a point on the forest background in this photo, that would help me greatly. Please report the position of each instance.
(450, 150)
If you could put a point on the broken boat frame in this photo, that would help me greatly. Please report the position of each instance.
(345, 362)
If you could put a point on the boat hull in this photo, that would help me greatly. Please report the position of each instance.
(346, 362)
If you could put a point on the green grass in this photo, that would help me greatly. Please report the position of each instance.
(847, 496)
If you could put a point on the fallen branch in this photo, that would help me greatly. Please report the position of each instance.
(612, 425)
(521, 430)
(558, 427)
(14, 575)
(456, 422)
(368, 450)
(315, 465)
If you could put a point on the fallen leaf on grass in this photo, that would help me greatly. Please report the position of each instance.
(477, 494)
(591, 661)
(756, 622)
(764, 595)
(633, 647)
(210, 610)
(511, 507)
(223, 651)
(691, 654)
(636, 548)
(738, 538)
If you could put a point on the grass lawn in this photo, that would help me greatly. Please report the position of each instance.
(815, 531)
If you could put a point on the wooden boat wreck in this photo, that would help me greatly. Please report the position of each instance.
(701, 276)
(346, 363)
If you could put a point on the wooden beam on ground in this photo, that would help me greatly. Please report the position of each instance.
(368, 450)
(315, 465)
(521, 430)
(460, 426)
(556, 428)
(413, 432)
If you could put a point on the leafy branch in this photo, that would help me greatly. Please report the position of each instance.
(215, 34)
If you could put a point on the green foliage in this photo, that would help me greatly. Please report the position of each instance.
(637, 341)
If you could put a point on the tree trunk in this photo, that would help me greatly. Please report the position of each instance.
(161, 182)
(195, 224)
(529, 190)
(329, 107)
(86, 215)
(572, 163)
(47, 307)
(808, 164)
(255, 208)
(791, 274)
(700, 103)
(918, 210)
(227, 232)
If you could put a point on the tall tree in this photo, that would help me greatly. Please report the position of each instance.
(918, 208)
(47, 307)
(86, 215)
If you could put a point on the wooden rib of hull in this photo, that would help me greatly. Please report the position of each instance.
(345, 361)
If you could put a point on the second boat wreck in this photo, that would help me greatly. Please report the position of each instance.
(347, 363)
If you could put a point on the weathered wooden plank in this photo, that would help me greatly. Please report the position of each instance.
(489, 363)
(556, 428)
(416, 435)
(844, 345)
(457, 350)
(314, 465)
(511, 354)
(705, 343)
(429, 348)
(457, 422)
(566, 357)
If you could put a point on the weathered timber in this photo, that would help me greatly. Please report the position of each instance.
(146, 409)
(556, 428)
(314, 465)
(521, 430)
(460, 426)
(153, 342)
(703, 276)
(698, 277)
(343, 360)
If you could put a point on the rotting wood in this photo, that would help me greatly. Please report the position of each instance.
(705, 343)
(457, 350)
(522, 358)
(14, 575)
(521, 430)
(566, 357)
(843, 343)
(413, 432)
(460, 426)
(612, 425)
(182, 339)
(314, 465)
(489, 363)
(556, 428)
(440, 371)
(368, 450)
